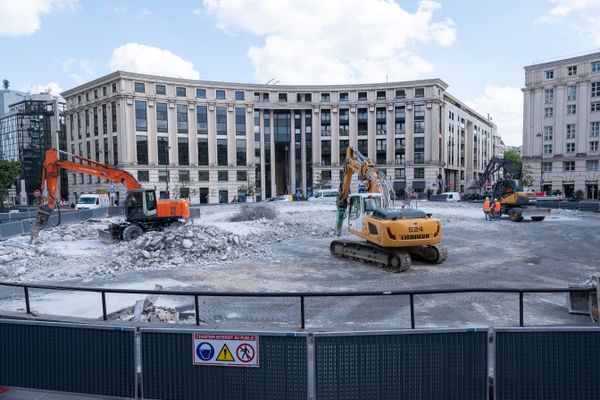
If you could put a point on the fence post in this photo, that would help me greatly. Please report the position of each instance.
(27, 307)
(520, 308)
(197, 308)
(412, 311)
(104, 306)
(302, 311)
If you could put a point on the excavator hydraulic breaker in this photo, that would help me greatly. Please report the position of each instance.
(41, 220)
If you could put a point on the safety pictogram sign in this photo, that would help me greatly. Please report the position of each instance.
(225, 350)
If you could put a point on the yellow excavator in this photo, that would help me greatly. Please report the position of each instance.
(392, 235)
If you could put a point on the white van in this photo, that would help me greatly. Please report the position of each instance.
(92, 200)
(452, 196)
(329, 195)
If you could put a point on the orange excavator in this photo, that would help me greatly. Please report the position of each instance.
(143, 211)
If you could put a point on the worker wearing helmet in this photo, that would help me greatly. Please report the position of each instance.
(497, 209)
(487, 206)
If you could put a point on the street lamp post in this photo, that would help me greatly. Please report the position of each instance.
(167, 148)
(539, 134)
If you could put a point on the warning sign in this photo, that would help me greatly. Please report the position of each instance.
(225, 350)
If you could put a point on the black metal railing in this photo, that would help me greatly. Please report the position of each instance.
(299, 295)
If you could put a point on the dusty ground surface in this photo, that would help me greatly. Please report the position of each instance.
(290, 253)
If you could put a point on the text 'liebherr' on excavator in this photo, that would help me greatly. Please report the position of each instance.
(391, 235)
(143, 211)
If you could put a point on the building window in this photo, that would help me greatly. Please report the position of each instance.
(381, 95)
(420, 92)
(595, 106)
(596, 66)
(200, 93)
(202, 119)
(203, 176)
(239, 95)
(326, 152)
(143, 176)
(160, 89)
(571, 93)
(282, 97)
(142, 149)
(265, 96)
(400, 150)
(202, 151)
(549, 112)
(163, 176)
(363, 147)
(183, 151)
(362, 121)
(380, 121)
(163, 150)
(113, 88)
(241, 176)
(162, 116)
(184, 176)
(400, 94)
(362, 96)
(595, 89)
(222, 151)
(180, 91)
(141, 120)
(419, 150)
(571, 109)
(223, 176)
(303, 97)
(103, 90)
(223, 196)
(548, 96)
(325, 122)
(419, 173)
(591, 165)
(569, 166)
(595, 129)
(570, 131)
(547, 149)
(220, 94)
(594, 145)
(344, 144)
(240, 120)
(344, 121)
(344, 96)
(240, 151)
(399, 173)
(572, 70)
(325, 97)
(400, 120)
(381, 148)
(570, 147)
(547, 167)
(138, 87)
(221, 121)
(548, 131)
(549, 74)
(419, 117)
(182, 118)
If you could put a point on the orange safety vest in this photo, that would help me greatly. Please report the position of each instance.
(486, 206)
(497, 206)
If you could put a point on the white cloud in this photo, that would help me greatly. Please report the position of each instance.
(18, 17)
(79, 71)
(335, 41)
(50, 87)
(505, 106)
(580, 16)
(197, 11)
(135, 57)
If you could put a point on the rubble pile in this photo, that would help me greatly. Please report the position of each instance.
(254, 212)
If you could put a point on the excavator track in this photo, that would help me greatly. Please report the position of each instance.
(395, 260)
(432, 254)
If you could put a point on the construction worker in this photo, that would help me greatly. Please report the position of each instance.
(487, 207)
(497, 209)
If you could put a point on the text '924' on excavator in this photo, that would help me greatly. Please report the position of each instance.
(143, 211)
(391, 235)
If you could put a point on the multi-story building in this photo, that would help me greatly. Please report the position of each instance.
(32, 125)
(213, 141)
(561, 125)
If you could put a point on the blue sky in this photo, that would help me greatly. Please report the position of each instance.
(478, 47)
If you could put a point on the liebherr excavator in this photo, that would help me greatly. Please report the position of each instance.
(391, 235)
(143, 211)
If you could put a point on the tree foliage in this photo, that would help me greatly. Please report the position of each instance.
(5, 84)
(321, 182)
(9, 170)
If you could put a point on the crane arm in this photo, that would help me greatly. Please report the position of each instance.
(374, 181)
(53, 165)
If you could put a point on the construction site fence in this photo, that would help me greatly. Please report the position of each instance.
(157, 363)
(15, 224)
(593, 206)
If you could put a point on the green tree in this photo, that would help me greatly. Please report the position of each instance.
(321, 182)
(9, 170)
(5, 84)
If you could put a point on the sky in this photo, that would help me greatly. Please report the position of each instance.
(478, 47)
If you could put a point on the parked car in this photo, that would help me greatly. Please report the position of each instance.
(328, 195)
(448, 196)
(278, 198)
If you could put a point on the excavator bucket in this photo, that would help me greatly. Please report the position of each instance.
(41, 220)
(106, 236)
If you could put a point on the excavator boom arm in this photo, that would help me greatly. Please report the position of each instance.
(53, 165)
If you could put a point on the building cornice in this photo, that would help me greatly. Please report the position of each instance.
(564, 62)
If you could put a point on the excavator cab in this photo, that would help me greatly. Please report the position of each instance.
(140, 204)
